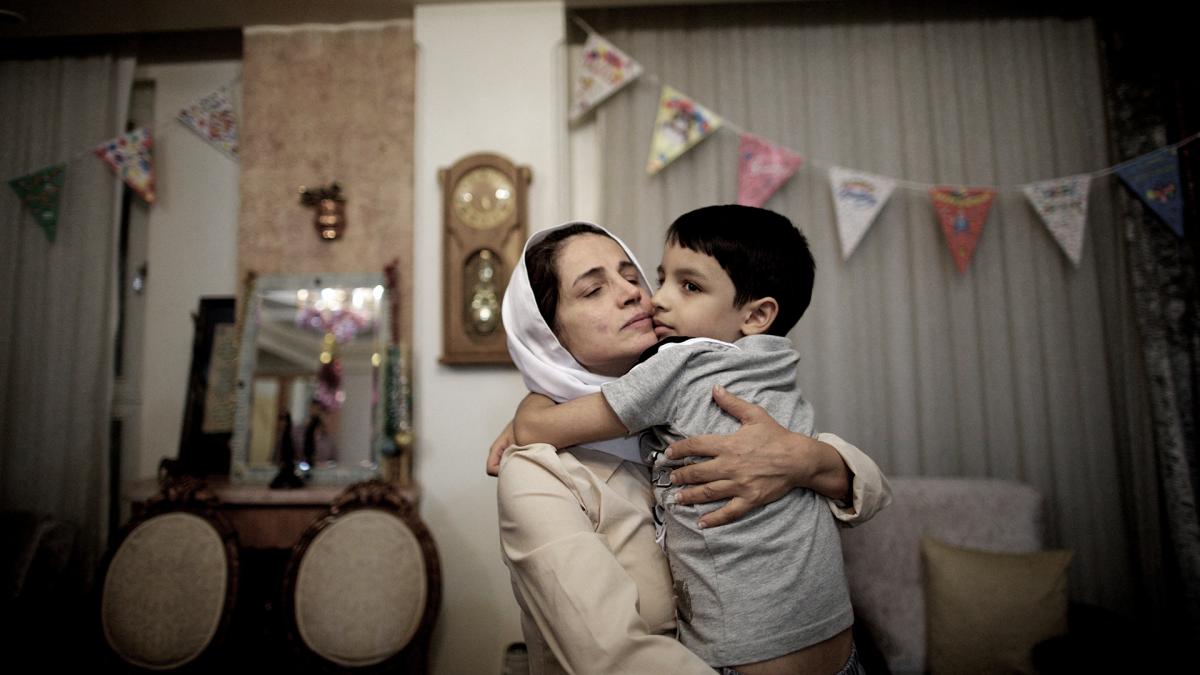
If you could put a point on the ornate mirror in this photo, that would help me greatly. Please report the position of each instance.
(310, 377)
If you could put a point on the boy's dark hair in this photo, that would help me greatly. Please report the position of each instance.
(761, 251)
(540, 265)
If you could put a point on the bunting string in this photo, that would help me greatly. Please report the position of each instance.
(164, 122)
(918, 186)
(962, 209)
(130, 155)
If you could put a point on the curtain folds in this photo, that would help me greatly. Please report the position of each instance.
(1003, 371)
(1159, 270)
(58, 302)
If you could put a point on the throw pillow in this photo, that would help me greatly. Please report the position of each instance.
(985, 611)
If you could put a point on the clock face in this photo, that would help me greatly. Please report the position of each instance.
(484, 198)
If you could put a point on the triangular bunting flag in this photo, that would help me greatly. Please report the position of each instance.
(603, 70)
(763, 168)
(1155, 178)
(213, 119)
(130, 157)
(962, 212)
(680, 125)
(39, 193)
(1062, 203)
(857, 198)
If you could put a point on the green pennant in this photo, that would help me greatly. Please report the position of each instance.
(39, 192)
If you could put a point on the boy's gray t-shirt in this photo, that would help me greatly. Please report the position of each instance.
(772, 582)
(671, 392)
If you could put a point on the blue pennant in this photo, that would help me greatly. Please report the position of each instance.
(1155, 179)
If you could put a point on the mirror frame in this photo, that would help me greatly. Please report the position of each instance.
(240, 469)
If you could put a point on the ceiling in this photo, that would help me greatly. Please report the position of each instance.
(46, 18)
(57, 18)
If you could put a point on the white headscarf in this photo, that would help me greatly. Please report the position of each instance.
(547, 366)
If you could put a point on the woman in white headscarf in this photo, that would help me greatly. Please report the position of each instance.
(576, 525)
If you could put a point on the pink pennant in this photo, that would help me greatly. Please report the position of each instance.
(962, 212)
(129, 156)
(763, 168)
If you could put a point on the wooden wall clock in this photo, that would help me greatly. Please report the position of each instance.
(484, 214)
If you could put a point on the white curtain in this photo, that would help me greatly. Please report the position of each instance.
(998, 372)
(56, 348)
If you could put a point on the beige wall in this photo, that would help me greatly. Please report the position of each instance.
(191, 249)
(479, 87)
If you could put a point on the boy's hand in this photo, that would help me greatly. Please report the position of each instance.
(756, 465)
(499, 445)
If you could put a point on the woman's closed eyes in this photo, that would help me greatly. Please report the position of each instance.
(594, 290)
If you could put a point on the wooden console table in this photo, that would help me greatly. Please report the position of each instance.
(263, 518)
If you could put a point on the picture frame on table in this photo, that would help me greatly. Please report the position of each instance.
(211, 392)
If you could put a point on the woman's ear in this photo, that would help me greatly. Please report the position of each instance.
(758, 315)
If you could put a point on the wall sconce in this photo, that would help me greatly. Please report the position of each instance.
(330, 207)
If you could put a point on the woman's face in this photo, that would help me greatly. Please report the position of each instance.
(604, 313)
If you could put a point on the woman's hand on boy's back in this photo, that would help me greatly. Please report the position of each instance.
(756, 465)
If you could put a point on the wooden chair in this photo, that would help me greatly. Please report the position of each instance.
(363, 585)
(167, 588)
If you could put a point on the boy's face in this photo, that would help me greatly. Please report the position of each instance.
(695, 297)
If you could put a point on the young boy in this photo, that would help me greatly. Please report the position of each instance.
(765, 594)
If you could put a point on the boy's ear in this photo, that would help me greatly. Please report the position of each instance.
(758, 315)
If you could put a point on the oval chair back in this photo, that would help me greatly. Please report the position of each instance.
(363, 585)
(169, 583)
